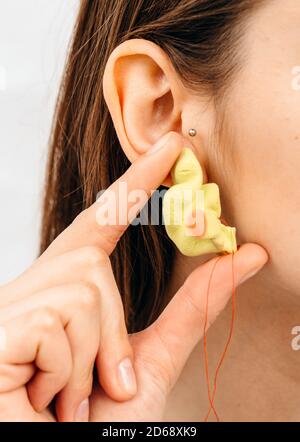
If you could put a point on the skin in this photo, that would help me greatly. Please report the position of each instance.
(257, 170)
(65, 312)
(260, 378)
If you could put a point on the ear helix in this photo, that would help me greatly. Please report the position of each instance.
(192, 211)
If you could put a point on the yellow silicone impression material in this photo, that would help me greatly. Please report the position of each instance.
(181, 211)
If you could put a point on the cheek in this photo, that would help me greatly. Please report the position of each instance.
(266, 177)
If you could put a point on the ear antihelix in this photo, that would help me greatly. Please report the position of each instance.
(190, 199)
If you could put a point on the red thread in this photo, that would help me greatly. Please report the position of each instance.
(212, 397)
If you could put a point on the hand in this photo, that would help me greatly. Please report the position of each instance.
(162, 349)
(65, 312)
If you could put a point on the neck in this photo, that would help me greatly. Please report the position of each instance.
(259, 379)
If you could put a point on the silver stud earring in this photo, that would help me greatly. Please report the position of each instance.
(192, 132)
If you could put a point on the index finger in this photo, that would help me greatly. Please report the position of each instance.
(143, 176)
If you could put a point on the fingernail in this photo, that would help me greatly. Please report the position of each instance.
(82, 413)
(127, 376)
(159, 144)
(250, 274)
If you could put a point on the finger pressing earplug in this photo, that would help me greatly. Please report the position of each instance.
(192, 211)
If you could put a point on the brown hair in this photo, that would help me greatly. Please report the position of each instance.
(201, 37)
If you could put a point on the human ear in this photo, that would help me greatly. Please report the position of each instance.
(147, 99)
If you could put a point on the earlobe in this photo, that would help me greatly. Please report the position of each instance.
(144, 95)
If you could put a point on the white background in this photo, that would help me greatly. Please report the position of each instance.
(34, 35)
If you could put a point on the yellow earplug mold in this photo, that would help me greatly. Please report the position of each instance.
(192, 210)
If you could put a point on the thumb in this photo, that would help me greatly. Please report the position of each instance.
(181, 325)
